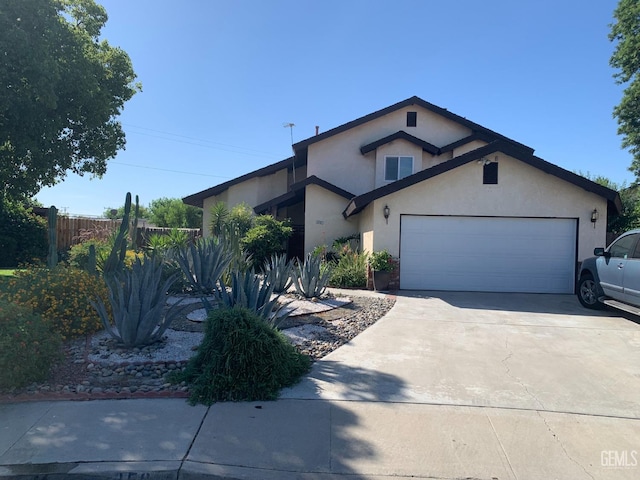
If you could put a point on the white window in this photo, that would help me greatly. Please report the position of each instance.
(396, 168)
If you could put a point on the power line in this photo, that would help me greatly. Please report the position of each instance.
(168, 170)
(201, 142)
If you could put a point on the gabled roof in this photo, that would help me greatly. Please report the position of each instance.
(197, 199)
(400, 135)
(463, 141)
(301, 147)
(296, 193)
(357, 204)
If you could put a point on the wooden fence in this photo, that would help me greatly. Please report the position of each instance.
(73, 230)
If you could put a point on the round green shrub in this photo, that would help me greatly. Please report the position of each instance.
(28, 346)
(241, 358)
(24, 236)
(79, 253)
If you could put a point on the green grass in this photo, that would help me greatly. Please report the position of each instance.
(5, 276)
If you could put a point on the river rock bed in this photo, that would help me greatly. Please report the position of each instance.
(83, 374)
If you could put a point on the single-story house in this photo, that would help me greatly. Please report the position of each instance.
(460, 206)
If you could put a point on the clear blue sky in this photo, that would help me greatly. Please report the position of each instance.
(220, 78)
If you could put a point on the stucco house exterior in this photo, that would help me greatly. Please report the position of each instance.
(460, 206)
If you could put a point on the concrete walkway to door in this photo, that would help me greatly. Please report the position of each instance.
(535, 383)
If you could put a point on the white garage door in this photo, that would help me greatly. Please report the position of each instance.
(488, 254)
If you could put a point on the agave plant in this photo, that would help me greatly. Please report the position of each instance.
(249, 291)
(203, 263)
(278, 273)
(137, 297)
(311, 278)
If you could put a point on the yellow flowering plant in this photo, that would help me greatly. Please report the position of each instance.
(61, 296)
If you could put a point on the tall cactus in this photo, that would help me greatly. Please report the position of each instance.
(134, 226)
(115, 261)
(52, 256)
(92, 261)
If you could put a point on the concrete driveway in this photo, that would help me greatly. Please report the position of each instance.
(535, 384)
(538, 352)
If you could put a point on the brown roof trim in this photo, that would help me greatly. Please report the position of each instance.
(463, 141)
(197, 199)
(357, 204)
(400, 135)
(300, 148)
(299, 187)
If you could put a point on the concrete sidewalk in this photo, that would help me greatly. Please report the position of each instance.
(290, 439)
(445, 386)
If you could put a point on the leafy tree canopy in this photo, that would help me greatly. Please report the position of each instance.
(629, 216)
(63, 89)
(625, 32)
(173, 213)
(115, 213)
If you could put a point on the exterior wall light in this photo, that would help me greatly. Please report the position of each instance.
(594, 217)
(386, 211)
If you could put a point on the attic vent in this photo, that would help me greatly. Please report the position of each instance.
(490, 173)
(412, 119)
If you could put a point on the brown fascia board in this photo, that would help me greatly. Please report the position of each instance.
(197, 199)
(258, 209)
(610, 195)
(400, 135)
(301, 185)
(300, 148)
(463, 141)
(360, 202)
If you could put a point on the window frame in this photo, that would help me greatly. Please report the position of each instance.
(631, 249)
(398, 162)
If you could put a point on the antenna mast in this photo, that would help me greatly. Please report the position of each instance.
(290, 127)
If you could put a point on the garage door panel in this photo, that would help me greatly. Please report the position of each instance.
(488, 254)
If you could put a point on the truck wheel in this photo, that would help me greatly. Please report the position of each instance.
(588, 292)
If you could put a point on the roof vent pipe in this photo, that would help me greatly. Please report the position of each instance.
(317, 129)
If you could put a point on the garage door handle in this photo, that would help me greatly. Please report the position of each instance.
(621, 266)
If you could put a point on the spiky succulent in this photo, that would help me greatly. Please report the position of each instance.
(249, 291)
(311, 277)
(278, 273)
(137, 297)
(203, 263)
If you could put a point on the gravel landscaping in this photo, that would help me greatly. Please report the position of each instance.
(96, 368)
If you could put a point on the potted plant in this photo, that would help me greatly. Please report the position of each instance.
(381, 263)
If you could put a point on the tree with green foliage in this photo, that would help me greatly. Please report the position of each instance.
(629, 216)
(174, 213)
(267, 237)
(625, 32)
(238, 220)
(63, 90)
(116, 213)
(23, 235)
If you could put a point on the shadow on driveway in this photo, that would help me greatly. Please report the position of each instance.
(512, 302)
